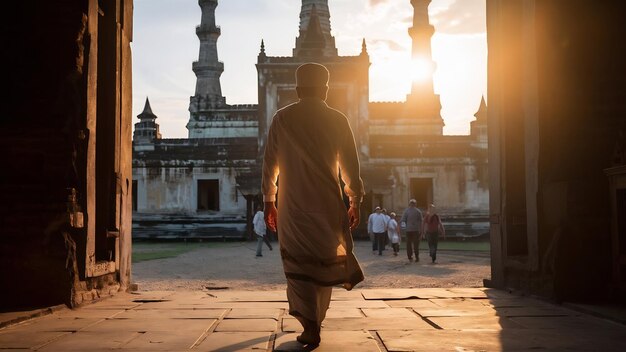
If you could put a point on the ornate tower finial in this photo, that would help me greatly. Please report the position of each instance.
(315, 38)
(363, 47)
(262, 57)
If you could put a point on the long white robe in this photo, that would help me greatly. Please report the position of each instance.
(308, 143)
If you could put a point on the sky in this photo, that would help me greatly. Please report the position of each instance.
(165, 45)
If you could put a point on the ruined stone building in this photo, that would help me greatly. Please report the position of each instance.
(557, 149)
(208, 183)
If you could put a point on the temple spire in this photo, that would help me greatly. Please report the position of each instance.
(421, 54)
(147, 111)
(208, 68)
(315, 39)
(146, 130)
(481, 114)
(423, 101)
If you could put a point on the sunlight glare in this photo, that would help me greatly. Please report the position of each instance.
(421, 70)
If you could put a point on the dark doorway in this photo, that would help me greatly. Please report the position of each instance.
(422, 191)
(107, 134)
(208, 195)
(621, 234)
(135, 195)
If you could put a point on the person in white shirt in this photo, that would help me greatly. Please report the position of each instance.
(387, 218)
(369, 231)
(393, 231)
(260, 230)
(377, 225)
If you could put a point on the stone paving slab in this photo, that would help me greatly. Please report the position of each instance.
(53, 323)
(105, 305)
(451, 340)
(332, 341)
(290, 325)
(561, 323)
(355, 324)
(262, 305)
(475, 322)
(99, 340)
(340, 294)
(534, 312)
(447, 312)
(235, 341)
(143, 325)
(344, 313)
(364, 323)
(464, 292)
(388, 313)
(458, 303)
(358, 304)
(172, 314)
(391, 294)
(424, 293)
(26, 339)
(177, 340)
(513, 302)
(411, 303)
(204, 304)
(251, 296)
(247, 325)
(89, 314)
(259, 313)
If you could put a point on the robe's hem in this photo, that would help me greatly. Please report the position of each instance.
(304, 277)
(339, 260)
(354, 279)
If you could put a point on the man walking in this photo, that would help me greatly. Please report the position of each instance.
(411, 222)
(260, 229)
(308, 144)
(433, 228)
(377, 225)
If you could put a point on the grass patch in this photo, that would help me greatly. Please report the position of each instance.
(463, 245)
(482, 246)
(143, 251)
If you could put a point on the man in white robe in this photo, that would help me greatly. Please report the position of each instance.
(308, 144)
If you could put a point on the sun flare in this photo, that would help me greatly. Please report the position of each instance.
(421, 69)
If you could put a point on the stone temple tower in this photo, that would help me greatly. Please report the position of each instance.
(209, 115)
(208, 69)
(423, 101)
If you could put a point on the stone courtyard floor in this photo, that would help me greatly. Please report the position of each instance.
(416, 319)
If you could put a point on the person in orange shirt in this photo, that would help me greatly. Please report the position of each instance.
(432, 229)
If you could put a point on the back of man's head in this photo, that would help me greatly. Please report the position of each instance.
(312, 81)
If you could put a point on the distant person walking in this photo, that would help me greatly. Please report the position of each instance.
(370, 232)
(387, 218)
(377, 225)
(261, 231)
(393, 233)
(411, 222)
(433, 228)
